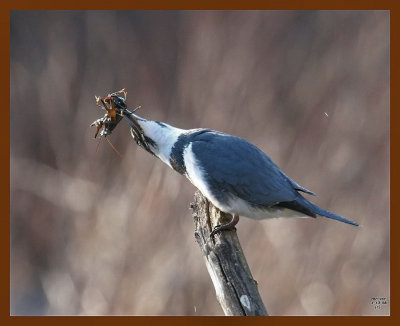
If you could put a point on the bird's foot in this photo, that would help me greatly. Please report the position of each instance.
(228, 226)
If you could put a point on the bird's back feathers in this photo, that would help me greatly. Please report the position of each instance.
(232, 165)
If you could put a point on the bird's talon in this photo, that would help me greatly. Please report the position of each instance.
(228, 226)
(216, 229)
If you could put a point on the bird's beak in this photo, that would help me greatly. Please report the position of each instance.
(119, 106)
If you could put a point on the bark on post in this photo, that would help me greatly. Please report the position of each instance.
(235, 288)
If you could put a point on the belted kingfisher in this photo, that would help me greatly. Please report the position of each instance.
(235, 175)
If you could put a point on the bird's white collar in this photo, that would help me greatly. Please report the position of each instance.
(163, 135)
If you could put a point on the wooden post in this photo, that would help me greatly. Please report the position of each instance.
(235, 288)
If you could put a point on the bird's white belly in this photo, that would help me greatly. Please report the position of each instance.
(235, 205)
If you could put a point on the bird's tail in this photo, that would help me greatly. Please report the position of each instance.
(322, 212)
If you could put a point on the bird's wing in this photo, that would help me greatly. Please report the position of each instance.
(232, 165)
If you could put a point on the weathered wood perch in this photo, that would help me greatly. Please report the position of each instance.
(235, 288)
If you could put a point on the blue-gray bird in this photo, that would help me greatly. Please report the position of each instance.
(235, 175)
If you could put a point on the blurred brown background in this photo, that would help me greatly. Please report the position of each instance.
(93, 233)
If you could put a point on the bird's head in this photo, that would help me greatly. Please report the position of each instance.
(141, 137)
(155, 137)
